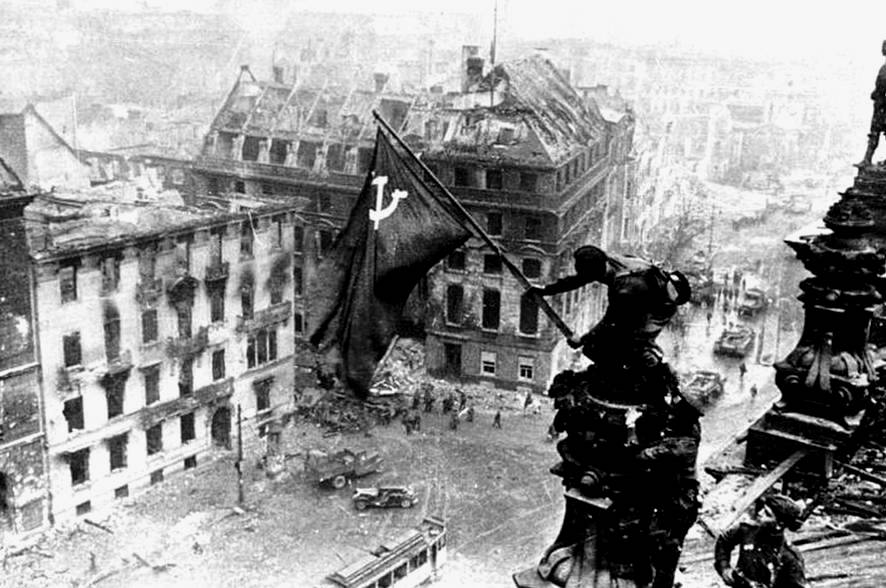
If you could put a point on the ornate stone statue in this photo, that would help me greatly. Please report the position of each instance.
(627, 429)
(878, 119)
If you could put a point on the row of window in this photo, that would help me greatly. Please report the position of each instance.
(118, 449)
(492, 264)
(489, 366)
(490, 309)
(261, 348)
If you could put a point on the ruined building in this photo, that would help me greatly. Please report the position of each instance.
(23, 483)
(157, 321)
(531, 160)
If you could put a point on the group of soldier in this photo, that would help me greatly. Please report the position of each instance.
(454, 403)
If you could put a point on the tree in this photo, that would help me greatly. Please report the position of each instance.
(675, 237)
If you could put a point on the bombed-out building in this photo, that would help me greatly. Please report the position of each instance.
(23, 482)
(158, 321)
(527, 156)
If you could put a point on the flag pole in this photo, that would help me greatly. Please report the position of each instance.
(524, 281)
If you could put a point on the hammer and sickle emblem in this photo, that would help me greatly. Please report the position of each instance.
(378, 213)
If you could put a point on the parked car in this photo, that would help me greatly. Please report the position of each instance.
(339, 467)
(705, 385)
(385, 497)
(735, 341)
(752, 301)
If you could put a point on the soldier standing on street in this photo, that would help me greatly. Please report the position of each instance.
(742, 370)
(470, 415)
(429, 401)
(878, 119)
(462, 399)
(453, 421)
(496, 420)
(766, 559)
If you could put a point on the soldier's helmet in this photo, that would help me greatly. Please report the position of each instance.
(785, 510)
(679, 287)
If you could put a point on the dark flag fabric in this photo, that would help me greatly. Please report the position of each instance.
(399, 229)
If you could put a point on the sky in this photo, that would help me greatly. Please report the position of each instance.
(751, 28)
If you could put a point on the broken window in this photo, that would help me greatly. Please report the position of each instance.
(218, 364)
(156, 476)
(190, 462)
(246, 238)
(187, 428)
(117, 451)
(147, 263)
(491, 264)
(493, 179)
(491, 308)
(298, 243)
(212, 186)
(262, 395)
(456, 260)
(324, 202)
(67, 279)
(183, 315)
(154, 439)
(325, 242)
(454, 300)
(186, 377)
(276, 288)
(528, 181)
(532, 268)
(110, 268)
(216, 304)
(277, 231)
(246, 302)
(112, 333)
(532, 228)
(152, 384)
(79, 464)
(267, 189)
(240, 186)
(115, 394)
(298, 322)
(4, 494)
(149, 326)
(73, 413)
(493, 223)
(216, 246)
(71, 347)
(261, 347)
(528, 315)
(462, 176)
(297, 280)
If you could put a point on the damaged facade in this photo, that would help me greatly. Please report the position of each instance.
(531, 160)
(23, 482)
(157, 320)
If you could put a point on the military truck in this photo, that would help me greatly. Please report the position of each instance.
(335, 469)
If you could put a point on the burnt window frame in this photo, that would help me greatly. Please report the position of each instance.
(72, 410)
(495, 179)
(72, 349)
(151, 380)
(115, 397)
(455, 300)
(118, 457)
(535, 272)
(67, 282)
(154, 439)
(188, 427)
(218, 365)
(529, 308)
(491, 309)
(492, 264)
(150, 326)
(79, 458)
(494, 223)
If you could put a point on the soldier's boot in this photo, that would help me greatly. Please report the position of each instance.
(873, 140)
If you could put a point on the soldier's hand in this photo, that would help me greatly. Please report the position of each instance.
(574, 342)
(536, 291)
(729, 576)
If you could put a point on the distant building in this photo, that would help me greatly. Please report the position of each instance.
(157, 322)
(23, 480)
(37, 153)
(518, 146)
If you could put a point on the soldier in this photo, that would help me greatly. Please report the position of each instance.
(416, 401)
(429, 401)
(462, 399)
(447, 403)
(496, 420)
(470, 415)
(416, 421)
(453, 421)
(878, 119)
(742, 370)
(766, 559)
(407, 423)
(670, 463)
(642, 300)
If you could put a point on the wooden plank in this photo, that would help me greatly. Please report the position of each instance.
(758, 487)
(862, 474)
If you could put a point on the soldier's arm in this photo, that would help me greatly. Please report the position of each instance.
(670, 447)
(565, 284)
(726, 542)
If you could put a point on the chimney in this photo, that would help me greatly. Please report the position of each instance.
(472, 66)
(381, 80)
